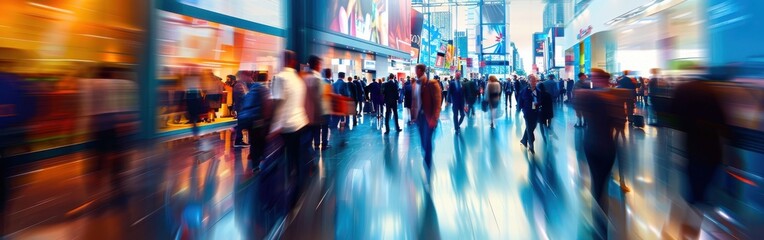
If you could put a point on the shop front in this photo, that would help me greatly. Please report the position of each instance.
(203, 46)
(75, 59)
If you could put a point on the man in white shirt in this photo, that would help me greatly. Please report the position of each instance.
(288, 92)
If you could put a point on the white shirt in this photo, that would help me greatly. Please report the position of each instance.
(290, 89)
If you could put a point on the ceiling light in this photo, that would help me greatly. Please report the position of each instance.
(61, 10)
(681, 15)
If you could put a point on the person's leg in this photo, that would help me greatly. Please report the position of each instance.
(456, 118)
(387, 118)
(394, 108)
(532, 122)
(325, 132)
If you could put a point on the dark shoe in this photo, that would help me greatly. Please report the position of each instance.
(387, 132)
(240, 145)
(399, 129)
(525, 145)
(531, 150)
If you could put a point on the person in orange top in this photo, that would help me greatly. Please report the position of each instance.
(430, 99)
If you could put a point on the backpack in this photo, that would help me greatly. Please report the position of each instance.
(257, 109)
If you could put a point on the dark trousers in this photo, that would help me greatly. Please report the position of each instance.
(531, 120)
(425, 135)
(459, 115)
(699, 178)
(294, 151)
(546, 127)
(601, 158)
(391, 108)
(359, 106)
(257, 137)
(378, 108)
(471, 109)
(508, 100)
(238, 133)
(320, 133)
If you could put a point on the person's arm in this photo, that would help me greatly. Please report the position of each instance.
(436, 97)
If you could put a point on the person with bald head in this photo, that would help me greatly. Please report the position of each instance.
(529, 103)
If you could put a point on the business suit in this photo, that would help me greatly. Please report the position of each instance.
(391, 95)
(529, 104)
(457, 100)
(430, 99)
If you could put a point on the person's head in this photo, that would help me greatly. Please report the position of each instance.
(600, 78)
(420, 69)
(514, 77)
(550, 76)
(290, 59)
(541, 88)
(355, 77)
(492, 78)
(581, 76)
(532, 80)
(391, 76)
(230, 78)
(327, 73)
(655, 71)
(626, 73)
(436, 77)
(315, 63)
(341, 75)
(262, 77)
(350, 79)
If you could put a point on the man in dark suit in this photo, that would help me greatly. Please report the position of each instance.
(457, 99)
(529, 103)
(471, 93)
(391, 94)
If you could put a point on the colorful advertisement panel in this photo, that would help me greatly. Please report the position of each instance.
(268, 12)
(494, 39)
(383, 22)
(494, 13)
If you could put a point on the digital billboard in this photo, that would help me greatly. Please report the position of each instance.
(494, 13)
(267, 12)
(494, 39)
(383, 22)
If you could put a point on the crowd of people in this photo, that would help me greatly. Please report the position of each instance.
(299, 109)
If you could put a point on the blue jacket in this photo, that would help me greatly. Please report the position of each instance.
(526, 101)
(341, 87)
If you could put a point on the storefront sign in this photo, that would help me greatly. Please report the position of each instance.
(584, 32)
(369, 65)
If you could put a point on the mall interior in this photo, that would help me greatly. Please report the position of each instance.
(170, 119)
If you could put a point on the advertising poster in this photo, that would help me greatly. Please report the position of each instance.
(269, 12)
(417, 19)
(378, 21)
(494, 13)
(494, 40)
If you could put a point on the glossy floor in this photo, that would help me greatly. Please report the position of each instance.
(484, 185)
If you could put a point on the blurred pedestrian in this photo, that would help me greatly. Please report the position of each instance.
(290, 118)
(407, 99)
(428, 94)
(545, 112)
(255, 115)
(471, 93)
(457, 99)
(580, 85)
(600, 108)
(529, 103)
(239, 91)
(377, 99)
(340, 119)
(316, 105)
(494, 97)
(390, 94)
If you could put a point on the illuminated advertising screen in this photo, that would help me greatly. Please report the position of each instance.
(383, 22)
(494, 13)
(494, 40)
(439, 61)
(268, 12)
(417, 19)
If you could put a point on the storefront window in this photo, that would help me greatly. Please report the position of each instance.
(196, 56)
(75, 59)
